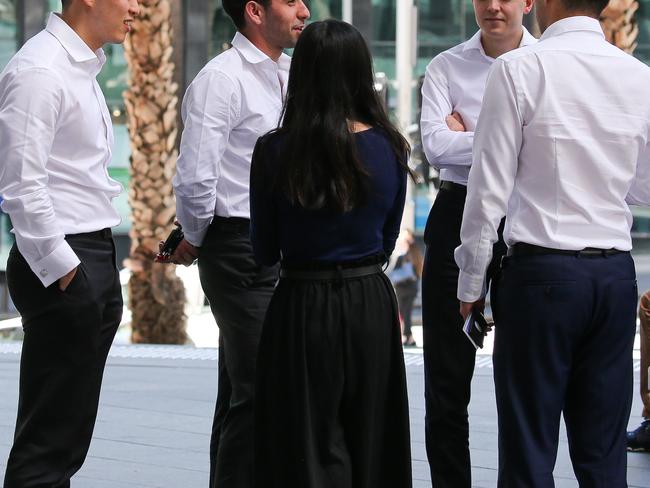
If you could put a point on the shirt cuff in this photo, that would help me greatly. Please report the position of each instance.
(195, 238)
(470, 287)
(55, 265)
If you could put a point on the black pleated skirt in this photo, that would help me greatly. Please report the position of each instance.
(331, 408)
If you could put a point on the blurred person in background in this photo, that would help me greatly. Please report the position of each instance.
(405, 276)
(639, 438)
(452, 96)
(327, 197)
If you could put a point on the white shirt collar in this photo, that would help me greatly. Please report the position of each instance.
(253, 55)
(475, 41)
(573, 24)
(72, 43)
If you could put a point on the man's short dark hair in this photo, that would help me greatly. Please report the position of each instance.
(235, 9)
(594, 6)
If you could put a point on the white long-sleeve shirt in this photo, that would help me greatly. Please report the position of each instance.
(236, 98)
(56, 137)
(561, 143)
(454, 81)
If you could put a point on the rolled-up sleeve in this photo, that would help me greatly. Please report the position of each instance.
(491, 180)
(443, 147)
(210, 110)
(30, 103)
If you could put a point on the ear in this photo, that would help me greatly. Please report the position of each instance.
(84, 4)
(254, 13)
(529, 6)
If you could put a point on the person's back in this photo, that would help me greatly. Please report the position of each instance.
(563, 145)
(327, 195)
(329, 236)
(572, 131)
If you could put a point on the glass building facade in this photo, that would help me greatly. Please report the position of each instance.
(8, 30)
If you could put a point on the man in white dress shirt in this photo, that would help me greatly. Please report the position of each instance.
(561, 149)
(236, 98)
(452, 94)
(56, 136)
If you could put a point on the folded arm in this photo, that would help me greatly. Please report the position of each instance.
(444, 147)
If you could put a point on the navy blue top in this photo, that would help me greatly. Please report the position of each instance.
(282, 231)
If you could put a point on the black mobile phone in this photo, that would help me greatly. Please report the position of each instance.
(171, 243)
(476, 328)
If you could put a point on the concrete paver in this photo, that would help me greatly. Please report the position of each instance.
(153, 428)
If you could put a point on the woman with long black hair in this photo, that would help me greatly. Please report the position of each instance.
(327, 196)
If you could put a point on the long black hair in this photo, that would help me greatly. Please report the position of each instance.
(331, 84)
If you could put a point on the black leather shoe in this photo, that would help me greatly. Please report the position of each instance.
(639, 439)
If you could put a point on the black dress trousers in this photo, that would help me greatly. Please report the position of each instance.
(563, 345)
(331, 405)
(448, 355)
(239, 292)
(67, 338)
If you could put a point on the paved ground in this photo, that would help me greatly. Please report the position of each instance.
(154, 421)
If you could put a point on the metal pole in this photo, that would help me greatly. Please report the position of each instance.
(31, 16)
(463, 21)
(195, 37)
(347, 11)
(405, 57)
(404, 60)
(362, 17)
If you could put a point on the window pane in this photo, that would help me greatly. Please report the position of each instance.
(442, 24)
(643, 17)
(223, 29)
(325, 9)
(8, 31)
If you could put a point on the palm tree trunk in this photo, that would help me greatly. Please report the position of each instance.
(156, 294)
(619, 24)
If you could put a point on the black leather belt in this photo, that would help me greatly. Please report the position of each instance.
(239, 224)
(524, 249)
(330, 274)
(97, 234)
(453, 187)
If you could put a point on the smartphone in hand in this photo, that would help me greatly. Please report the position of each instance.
(476, 328)
(171, 243)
